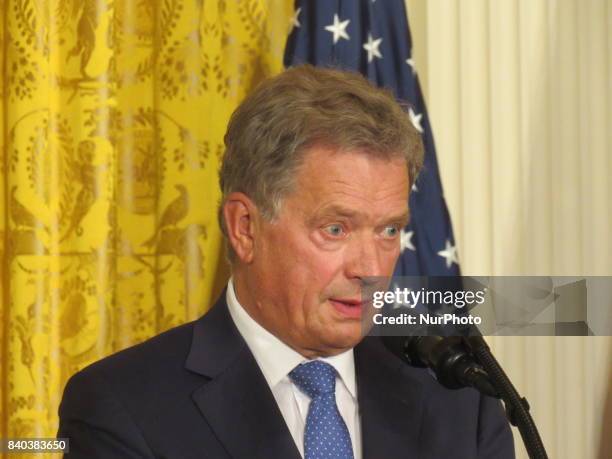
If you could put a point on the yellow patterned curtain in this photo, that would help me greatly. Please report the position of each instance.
(112, 127)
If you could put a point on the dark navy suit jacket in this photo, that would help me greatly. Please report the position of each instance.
(197, 392)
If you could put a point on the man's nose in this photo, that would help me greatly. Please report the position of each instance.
(365, 260)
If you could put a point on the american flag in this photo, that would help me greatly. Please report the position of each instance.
(373, 37)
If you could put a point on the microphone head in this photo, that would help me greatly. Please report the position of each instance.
(404, 348)
(447, 358)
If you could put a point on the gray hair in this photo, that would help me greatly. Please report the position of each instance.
(305, 106)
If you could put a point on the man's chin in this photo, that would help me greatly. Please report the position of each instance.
(344, 337)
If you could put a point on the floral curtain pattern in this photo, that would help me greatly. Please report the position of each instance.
(112, 133)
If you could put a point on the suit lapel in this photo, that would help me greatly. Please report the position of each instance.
(390, 404)
(237, 402)
(239, 407)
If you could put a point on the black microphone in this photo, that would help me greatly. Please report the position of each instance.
(448, 357)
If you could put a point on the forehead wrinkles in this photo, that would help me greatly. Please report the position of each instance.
(361, 208)
(371, 190)
(326, 177)
(352, 188)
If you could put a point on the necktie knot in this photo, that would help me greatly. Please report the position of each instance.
(315, 378)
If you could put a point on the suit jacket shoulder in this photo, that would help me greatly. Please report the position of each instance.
(192, 392)
(116, 406)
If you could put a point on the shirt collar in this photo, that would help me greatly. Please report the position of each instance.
(274, 357)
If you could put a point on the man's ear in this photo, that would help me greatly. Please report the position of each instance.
(240, 214)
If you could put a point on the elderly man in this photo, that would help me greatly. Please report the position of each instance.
(315, 182)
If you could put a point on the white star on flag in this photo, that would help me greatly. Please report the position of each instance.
(399, 304)
(414, 187)
(338, 29)
(410, 62)
(372, 48)
(295, 20)
(450, 254)
(406, 241)
(416, 120)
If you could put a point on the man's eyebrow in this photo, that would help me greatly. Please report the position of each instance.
(402, 219)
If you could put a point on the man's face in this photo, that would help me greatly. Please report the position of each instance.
(340, 225)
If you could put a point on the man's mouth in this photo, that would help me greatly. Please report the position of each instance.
(347, 306)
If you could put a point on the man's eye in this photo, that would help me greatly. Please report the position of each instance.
(391, 231)
(334, 230)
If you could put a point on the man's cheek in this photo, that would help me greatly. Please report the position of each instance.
(389, 261)
(390, 266)
(325, 268)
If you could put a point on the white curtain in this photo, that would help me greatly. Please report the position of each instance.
(520, 97)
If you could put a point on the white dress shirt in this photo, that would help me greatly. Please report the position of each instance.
(276, 360)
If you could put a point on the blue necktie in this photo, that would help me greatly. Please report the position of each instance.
(326, 435)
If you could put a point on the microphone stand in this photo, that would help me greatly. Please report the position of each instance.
(517, 408)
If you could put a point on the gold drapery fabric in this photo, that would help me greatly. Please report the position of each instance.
(112, 131)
